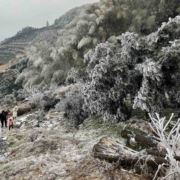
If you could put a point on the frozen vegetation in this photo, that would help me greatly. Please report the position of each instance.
(135, 72)
(54, 52)
(92, 91)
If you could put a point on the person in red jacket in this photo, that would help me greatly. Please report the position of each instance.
(11, 122)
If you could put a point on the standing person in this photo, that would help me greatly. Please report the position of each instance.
(4, 115)
(6, 112)
(11, 121)
(1, 119)
(15, 109)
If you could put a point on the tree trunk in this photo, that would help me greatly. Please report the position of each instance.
(112, 151)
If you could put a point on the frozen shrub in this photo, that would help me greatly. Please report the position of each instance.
(170, 141)
(48, 102)
(58, 77)
(35, 96)
(43, 99)
(20, 95)
(84, 42)
(72, 105)
(7, 85)
(76, 76)
(9, 100)
(60, 107)
(72, 76)
(74, 110)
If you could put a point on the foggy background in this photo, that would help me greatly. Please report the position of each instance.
(17, 14)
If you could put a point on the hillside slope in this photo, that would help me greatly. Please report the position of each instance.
(52, 56)
(95, 73)
(16, 46)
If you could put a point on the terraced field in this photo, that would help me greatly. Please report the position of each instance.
(17, 44)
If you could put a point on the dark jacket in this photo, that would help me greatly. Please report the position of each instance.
(3, 115)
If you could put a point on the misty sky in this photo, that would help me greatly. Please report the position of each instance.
(16, 14)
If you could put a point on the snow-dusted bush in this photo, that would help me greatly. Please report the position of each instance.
(170, 141)
(84, 42)
(76, 76)
(9, 100)
(72, 76)
(58, 77)
(20, 94)
(35, 96)
(72, 105)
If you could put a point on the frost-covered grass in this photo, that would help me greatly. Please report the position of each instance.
(49, 152)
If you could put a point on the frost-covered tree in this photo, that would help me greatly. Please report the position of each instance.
(135, 72)
(113, 78)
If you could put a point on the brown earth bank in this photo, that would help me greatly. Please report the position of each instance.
(3, 67)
